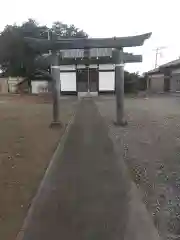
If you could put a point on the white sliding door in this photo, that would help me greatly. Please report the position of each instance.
(68, 81)
(106, 81)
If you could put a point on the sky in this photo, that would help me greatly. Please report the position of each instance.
(100, 18)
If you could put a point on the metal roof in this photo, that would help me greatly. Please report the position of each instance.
(170, 64)
(173, 63)
(87, 43)
(155, 70)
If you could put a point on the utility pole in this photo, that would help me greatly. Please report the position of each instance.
(157, 50)
(49, 37)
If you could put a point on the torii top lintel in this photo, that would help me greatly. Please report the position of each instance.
(83, 43)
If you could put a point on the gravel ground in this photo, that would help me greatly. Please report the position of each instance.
(150, 146)
(26, 146)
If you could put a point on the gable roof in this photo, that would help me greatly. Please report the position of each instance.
(171, 64)
(174, 63)
(153, 71)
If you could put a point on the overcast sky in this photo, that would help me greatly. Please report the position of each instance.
(100, 18)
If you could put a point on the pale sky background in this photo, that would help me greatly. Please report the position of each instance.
(100, 18)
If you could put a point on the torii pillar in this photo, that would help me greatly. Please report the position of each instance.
(118, 56)
(55, 73)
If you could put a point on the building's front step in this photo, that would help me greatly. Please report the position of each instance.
(87, 94)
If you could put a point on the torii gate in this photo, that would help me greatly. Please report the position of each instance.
(119, 58)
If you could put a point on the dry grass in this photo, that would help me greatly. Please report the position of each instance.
(150, 145)
(26, 146)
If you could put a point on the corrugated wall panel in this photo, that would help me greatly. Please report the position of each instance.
(157, 84)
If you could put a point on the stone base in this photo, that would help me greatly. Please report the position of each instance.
(56, 125)
(121, 124)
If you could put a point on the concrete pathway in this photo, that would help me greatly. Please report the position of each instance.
(84, 196)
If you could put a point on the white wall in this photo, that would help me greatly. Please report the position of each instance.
(3, 85)
(106, 81)
(93, 66)
(176, 71)
(67, 67)
(81, 66)
(106, 66)
(68, 81)
(12, 82)
(39, 86)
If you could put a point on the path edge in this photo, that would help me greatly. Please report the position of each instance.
(137, 207)
(58, 151)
